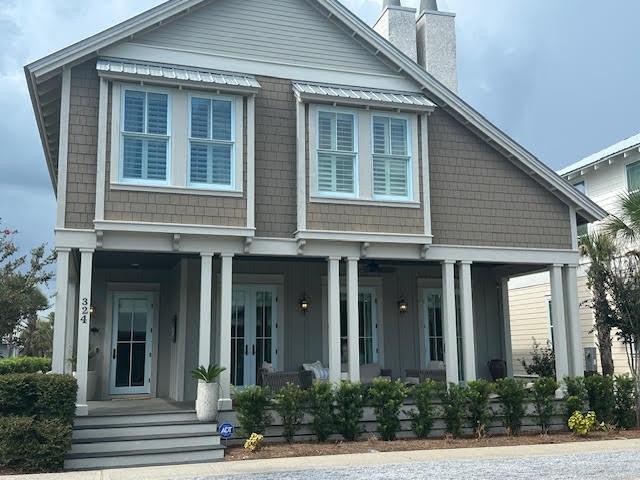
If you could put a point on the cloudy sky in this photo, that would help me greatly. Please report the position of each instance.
(560, 76)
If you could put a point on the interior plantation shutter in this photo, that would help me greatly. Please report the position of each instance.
(391, 157)
(336, 152)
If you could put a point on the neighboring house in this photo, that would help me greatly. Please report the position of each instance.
(604, 177)
(221, 165)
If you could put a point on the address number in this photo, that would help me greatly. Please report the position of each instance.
(84, 310)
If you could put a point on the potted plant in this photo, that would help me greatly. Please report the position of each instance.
(208, 391)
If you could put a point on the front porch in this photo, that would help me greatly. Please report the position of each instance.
(151, 318)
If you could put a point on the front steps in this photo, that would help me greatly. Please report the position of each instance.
(138, 440)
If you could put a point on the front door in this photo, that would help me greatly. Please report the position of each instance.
(254, 327)
(131, 345)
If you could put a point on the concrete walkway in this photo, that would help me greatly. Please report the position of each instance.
(617, 452)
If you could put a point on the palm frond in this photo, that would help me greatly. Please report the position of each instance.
(207, 374)
(617, 227)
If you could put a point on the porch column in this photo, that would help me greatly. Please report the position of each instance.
(506, 324)
(58, 359)
(570, 274)
(226, 293)
(559, 324)
(353, 334)
(206, 274)
(449, 321)
(84, 327)
(466, 312)
(333, 308)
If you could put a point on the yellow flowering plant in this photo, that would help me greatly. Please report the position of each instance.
(254, 442)
(582, 424)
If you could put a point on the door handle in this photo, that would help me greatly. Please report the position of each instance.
(246, 349)
(253, 349)
(114, 353)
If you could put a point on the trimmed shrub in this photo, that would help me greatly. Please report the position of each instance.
(289, 403)
(28, 444)
(454, 405)
(601, 397)
(480, 413)
(24, 365)
(576, 396)
(625, 413)
(387, 398)
(35, 394)
(543, 360)
(512, 395)
(422, 417)
(544, 392)
(251, 404)
(321, 409)
(349, 399)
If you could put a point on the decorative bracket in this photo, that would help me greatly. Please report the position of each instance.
(301, 244)
(176, 242)
(99, 238)
(423, 251)
(364, 249)
(247, 244)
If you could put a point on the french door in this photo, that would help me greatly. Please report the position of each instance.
(131, 343)
(254, 332)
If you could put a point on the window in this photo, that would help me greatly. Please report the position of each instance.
(336, 153)
(391, 157)
(145, 137)
(367, 328)
(211, 142)
(580, 186)
(633, 177)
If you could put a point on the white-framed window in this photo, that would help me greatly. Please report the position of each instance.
(145, 136)
(337, 153)
(367, 327)
(211, 161)
(390, 138)
(633, 176)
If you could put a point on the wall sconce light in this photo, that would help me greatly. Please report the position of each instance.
(92, 310)
(402, 306)
(304, 304)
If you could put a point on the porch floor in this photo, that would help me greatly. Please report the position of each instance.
(138, 406)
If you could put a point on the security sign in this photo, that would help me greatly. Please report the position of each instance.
(226, 430)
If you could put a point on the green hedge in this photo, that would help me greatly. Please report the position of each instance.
(28, 444)
(38, 395)
(24, 365)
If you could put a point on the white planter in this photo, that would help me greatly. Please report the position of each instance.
(207, 401)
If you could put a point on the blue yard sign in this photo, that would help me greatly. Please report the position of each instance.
(226, 430)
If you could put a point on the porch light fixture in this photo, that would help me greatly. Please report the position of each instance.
(304, 305)
(92, 311)
(402, 306)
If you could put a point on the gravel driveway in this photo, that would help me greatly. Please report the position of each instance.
(603, 466)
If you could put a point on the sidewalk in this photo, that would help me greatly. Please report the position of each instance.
(336, 461)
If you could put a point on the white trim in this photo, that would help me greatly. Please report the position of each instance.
(573, 223)
(506, 325)
(362, 237)
(626, 173)
(353, 333)
(101, 168)
(226, 299)
(449, 322)
(366, 202)
(251, 155)
(84, 327)
(426, 186)
(204, 333)
(126, 226)
(467, 321)
(193, 190)
(63, 148)
(333, 319)
(301, 160)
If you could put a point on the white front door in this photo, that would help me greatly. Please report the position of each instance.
(131, 343)
(254, 332)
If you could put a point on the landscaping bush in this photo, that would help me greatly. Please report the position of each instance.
(543, 360)
(576, 395)
(454, 405)
(321, 409)
(544, 392)
(422, 417)
(581, 424)
(387, 398)
(36, 394)
(28, 444)
(601, 397)
(251, 404)
(289, 404)
(24, 365)
(512, 395)
(349, 399)
(480, 413)
(625, 413)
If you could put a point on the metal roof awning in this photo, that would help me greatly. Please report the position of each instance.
(176, 75)
(359, 96)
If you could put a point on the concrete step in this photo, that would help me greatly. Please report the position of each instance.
(143, 430)
(137, 418)
(152, 443)
(135, 458)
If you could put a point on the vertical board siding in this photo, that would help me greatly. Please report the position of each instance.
(278, 31)
(478, 197)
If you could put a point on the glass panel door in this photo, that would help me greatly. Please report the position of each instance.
(239, 344)
(264, 344)
(367, 327)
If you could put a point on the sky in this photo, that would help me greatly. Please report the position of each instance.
(559, 76)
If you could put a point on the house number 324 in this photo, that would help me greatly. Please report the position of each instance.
(84, 310)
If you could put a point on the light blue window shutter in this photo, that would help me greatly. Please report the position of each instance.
(380, 135)
(199, 162)
(222, 120)
(157, 108)
(200, 114)
(134, 105)
(344, 173)
(325, 130)
(344, 132)
(325, 172)
(221, 164)
(156, 159)
(398, 134)
(397, 174)
(132, 161)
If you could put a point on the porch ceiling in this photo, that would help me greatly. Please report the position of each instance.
(140, 260)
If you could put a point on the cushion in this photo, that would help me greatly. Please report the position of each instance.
(318, 370)
(267, 367)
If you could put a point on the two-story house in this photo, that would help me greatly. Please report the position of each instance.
(605, 177)
(275, 182)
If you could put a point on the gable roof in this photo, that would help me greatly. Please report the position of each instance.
(631, 143)
(43, 69)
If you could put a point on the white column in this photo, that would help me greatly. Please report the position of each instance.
(84, 327)
(576, 359)
(559, 324)
(353, 333)
(72, 303)
(206, 274)
(226, 293)
(449, 321)
(333, 308)
(58, 360)
(506, 325)
(466, 312)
